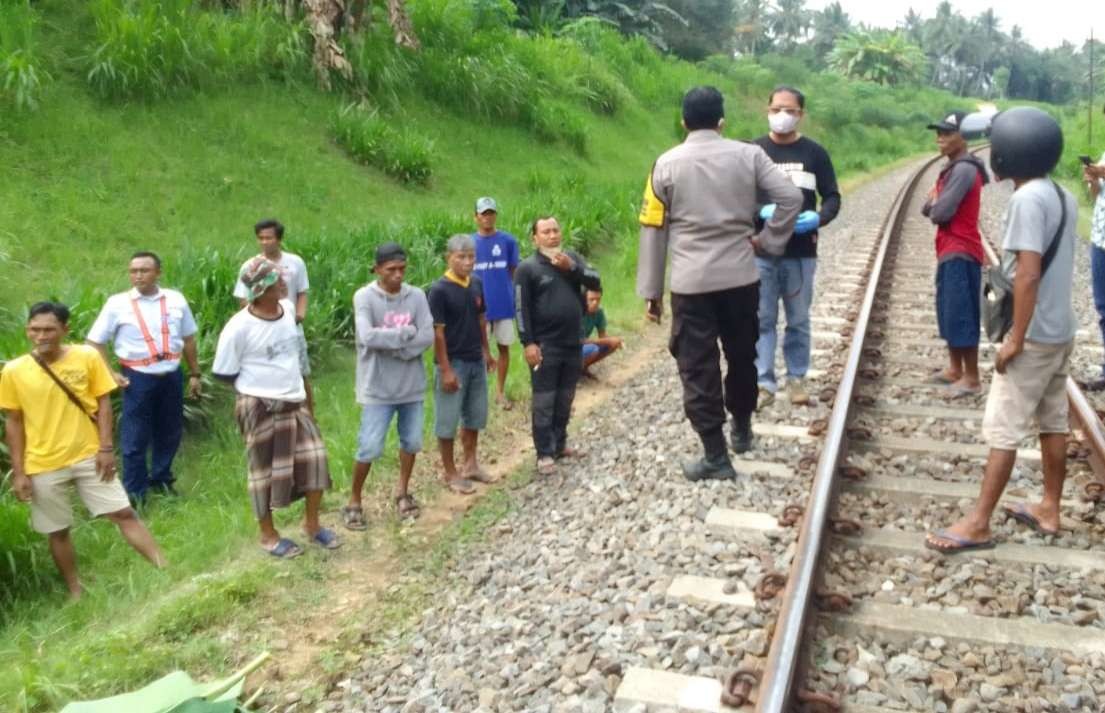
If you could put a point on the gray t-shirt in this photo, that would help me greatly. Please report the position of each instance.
(1031, 220)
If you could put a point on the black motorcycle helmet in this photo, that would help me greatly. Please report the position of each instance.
(1024, 143)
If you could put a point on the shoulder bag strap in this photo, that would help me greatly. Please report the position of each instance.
(1054, 247)
(61, 384)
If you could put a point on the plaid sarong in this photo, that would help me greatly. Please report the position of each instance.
(284, 447)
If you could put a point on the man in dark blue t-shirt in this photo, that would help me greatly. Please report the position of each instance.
(496, 259)
(461, 363)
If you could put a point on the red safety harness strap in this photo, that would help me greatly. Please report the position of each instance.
(156, 356)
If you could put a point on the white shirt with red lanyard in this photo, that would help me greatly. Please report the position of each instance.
(147, 331)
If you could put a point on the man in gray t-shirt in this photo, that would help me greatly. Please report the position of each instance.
(1031, 367)
(1031, 221)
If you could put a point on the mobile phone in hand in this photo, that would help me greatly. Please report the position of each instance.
(1086, 160)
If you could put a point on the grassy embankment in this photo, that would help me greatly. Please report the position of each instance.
(137, 145)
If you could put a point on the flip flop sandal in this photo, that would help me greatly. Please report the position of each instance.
(960, 392)
(407, 507)
(546, 466)
(571, 453)
(504, 403)
(352, 517)
(326, 539)
(460, 486)
(959, 544)
(937, 377)
(285, 549)
(479, 475)
(1021, 514)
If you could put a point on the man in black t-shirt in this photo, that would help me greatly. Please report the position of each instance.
(462, 361)
(789, 278)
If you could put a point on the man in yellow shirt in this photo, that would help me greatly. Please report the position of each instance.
(59, 432)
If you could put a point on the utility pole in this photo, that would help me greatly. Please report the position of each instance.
(1089, 125)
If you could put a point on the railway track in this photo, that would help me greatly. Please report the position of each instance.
(859, 616)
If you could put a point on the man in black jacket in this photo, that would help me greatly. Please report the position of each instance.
(550, 288)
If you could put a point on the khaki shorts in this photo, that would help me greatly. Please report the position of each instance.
(1033, 385)
(51, 510)
(502, 331)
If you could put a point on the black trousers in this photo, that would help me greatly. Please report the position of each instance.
(698, 323)
(554, 389)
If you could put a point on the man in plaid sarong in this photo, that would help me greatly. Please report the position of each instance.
(258, 352)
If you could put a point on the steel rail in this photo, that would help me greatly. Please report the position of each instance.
(777, 682)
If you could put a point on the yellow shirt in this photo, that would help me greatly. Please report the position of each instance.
(58, 434)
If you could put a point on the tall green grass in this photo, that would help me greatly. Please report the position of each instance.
(157, 48)
(370, 139)
(22, 73)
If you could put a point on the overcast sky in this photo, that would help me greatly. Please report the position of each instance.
(1045, 23)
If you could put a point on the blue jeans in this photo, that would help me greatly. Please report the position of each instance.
(1097, 277)
(375, 419)
(152, 419)
(789, 279)
(466, 406)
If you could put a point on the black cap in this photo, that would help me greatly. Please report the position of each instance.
(951, 122)
(389, 252)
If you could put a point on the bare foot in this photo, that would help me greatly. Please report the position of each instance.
(504, 403)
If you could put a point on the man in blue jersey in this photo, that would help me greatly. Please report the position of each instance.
(496, 259)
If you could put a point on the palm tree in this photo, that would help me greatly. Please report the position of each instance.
(751, 26)
(829, 24)
(789, 21)
(880, 56)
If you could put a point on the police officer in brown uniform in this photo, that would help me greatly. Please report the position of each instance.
(701, 203)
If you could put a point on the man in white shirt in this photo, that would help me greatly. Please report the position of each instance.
(150, 329)
(258, 352)
(293, 271)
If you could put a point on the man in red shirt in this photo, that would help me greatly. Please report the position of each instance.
(953, 206)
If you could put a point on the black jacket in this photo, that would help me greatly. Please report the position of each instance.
(550, 302)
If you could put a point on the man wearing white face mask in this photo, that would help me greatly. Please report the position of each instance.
(789, 278)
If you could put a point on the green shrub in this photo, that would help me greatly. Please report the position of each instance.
(370, 140)
(21, 71)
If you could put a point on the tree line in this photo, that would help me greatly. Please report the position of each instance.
(970, 56)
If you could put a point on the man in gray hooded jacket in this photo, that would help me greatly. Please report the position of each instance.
(394, 328)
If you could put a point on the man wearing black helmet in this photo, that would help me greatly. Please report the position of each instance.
(1032, 365)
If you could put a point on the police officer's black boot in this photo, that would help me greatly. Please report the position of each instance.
(714, 465)
(741, 435)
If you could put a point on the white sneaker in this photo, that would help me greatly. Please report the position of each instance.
(796, 390)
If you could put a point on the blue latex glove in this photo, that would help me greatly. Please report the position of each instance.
(808, 221)
(767, 211)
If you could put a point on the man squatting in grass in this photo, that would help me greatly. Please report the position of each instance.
(953, 205)
(293, 271)
(461, 362)
(150, 329)
(1033, 363)
(602, 345)
(393, 329)
(496, 261)
(259, 352)
(701, 203)
(59, 433)
(789, 278)
(549, 287)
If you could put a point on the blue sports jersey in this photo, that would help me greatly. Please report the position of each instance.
(496, 256)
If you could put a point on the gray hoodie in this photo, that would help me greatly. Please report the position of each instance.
(393, 331)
